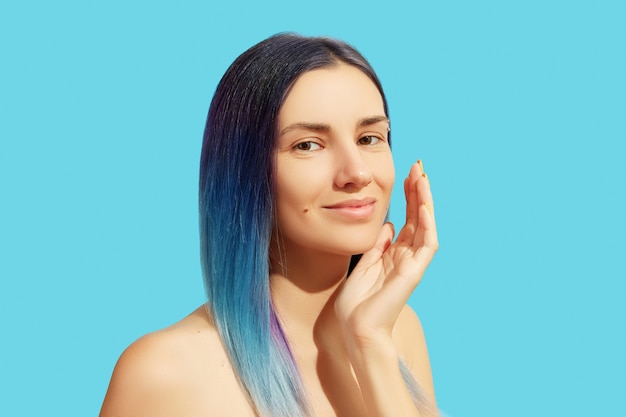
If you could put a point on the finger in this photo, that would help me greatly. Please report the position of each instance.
(428, 241)
(426, 232)
(424, 191)
(409, 273)
(395, 291)
(385, 237)
(365, 278)
(406, 190)
(406, 194)
(412, 205)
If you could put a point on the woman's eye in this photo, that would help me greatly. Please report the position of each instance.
(307, 146)
(368, 140)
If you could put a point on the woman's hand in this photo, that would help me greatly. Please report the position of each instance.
(381, 283)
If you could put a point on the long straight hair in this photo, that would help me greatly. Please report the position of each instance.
(236, 204)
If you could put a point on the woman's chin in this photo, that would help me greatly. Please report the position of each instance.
(356, 247)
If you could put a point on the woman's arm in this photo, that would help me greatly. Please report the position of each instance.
(371, 304)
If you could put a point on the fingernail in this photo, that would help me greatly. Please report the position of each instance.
(419, 162)
(428, 208)
(427, 180)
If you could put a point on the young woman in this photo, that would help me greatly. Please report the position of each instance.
(295, 179)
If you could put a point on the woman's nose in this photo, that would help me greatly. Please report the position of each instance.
(352, 170)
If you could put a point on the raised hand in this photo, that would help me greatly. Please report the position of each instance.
(381, 283)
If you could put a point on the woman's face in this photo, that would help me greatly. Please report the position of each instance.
(334, 170)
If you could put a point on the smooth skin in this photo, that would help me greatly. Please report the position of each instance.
(334, 180)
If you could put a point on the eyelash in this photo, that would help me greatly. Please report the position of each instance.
(375, 138)
(372, 140)
(298, 147)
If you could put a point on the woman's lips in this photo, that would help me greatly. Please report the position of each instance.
(357, 209)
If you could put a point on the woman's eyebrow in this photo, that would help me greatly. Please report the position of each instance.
(325, 128)
(372, 120)
(315, 127)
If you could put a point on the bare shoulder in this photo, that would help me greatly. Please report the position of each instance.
(408, 328)
(411, 342)
(181, 370)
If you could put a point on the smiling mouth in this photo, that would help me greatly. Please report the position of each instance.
(362, 209)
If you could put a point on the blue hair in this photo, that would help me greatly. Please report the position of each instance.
(236, 204)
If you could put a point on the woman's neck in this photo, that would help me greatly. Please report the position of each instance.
(303, 289)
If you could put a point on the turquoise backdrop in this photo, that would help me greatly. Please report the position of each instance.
(517, 108)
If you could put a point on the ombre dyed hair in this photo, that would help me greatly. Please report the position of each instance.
(237, 213)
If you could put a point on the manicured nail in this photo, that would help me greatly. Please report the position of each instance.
(419, 162)
(427, 180)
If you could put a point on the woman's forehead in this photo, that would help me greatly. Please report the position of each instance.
(326, 94)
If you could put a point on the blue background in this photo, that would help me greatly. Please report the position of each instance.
(517, 108)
